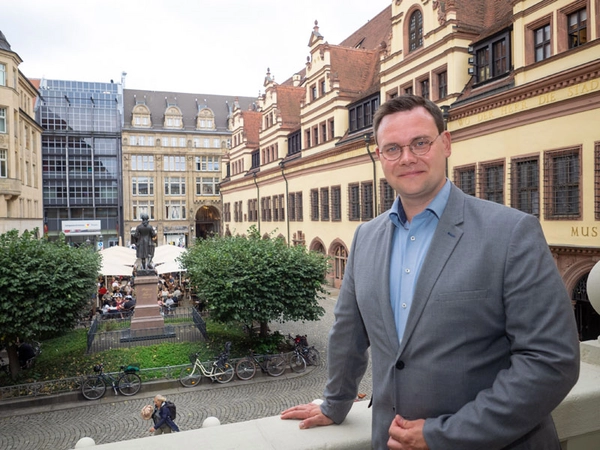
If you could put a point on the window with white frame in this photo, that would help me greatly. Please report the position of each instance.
(174, 163)
(142, 186)
(142, 207)
(207, 163)
(216, 143)
(174, 185)
(182, 142)
(3, 163)
(207, 185)
(2, 120)
(165, 141)
(175, 209)
(2, 74)
(142, 162)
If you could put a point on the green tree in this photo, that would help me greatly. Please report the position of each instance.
(249, 279)
(44, 286)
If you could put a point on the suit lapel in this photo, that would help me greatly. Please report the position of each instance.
(446, 237)
(385, 306)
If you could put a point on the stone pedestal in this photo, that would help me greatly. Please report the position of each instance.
(147, 312)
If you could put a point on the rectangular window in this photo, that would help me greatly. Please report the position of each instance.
(227, 212)
(492, 58)
(3, 163)
(525, 182)
(174, 163)
(292, 207)
(336, 203)
(281, 207)
(207, 185)
(299, 210)
(562, 177)
(323, 132)
(207, 163)
(492, 182)
(366, 200)
(361, 114)
(315, 134)
(142, 162)
(2, 75)
(322, 87)
(331, 129)
(354, 201)
(442, 79)
(141, 186)
(313, 92)
(577, 28)
(425, 88)
(255, 159)
(294, 145)
(464, 178)
(325, 204)
(541, 40)
(408, 90)
(276, 208)
(314, 204)
(174, 185)
(387, 195)
(143, 207)
(175, 209)
(2, 120)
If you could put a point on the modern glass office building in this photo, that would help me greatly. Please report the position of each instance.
(81, 160)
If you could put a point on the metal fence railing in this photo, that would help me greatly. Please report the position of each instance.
(183, 325)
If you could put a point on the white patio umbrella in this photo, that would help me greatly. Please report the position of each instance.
(117, 261)
(164, 259)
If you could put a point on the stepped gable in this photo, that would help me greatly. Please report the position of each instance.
(373, 33)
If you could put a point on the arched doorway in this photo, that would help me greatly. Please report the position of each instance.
(340, 258)
(588, 320)
(208, 222)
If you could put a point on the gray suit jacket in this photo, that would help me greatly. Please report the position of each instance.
(490, 346)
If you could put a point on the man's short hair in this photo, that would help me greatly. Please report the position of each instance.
(407, 102)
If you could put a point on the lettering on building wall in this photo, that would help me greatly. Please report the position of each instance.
(547, 98)
(584, 231)
(583, 88)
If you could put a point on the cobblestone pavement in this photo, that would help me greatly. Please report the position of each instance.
(114, 419)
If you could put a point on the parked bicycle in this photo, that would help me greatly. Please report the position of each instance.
(127, 382)
(245, 369)
(218, 370)
(303, 354)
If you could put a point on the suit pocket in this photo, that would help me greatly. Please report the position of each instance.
(460, 296)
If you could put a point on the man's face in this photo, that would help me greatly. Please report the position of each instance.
(417, 179)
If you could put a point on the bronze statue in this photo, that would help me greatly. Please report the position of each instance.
(144, 238)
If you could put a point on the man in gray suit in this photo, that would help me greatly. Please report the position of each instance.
(471, 331)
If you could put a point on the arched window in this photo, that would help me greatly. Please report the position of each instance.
(339, 264)
(415, 31)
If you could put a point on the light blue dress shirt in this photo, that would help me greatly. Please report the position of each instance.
(410, 244)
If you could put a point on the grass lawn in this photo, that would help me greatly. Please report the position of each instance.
(66, 356)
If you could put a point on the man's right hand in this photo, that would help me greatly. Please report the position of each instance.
(310, 414)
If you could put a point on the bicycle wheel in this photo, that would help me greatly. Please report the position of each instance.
(190, 377)
(275, 365)
(93, 388)
(129, 384)
(224, 374)
(297, 363)
(313, 357)
(245, 369)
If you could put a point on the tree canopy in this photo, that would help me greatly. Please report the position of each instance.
(43, 286)
(250, 279)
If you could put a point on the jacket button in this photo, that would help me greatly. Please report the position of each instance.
(399, 365)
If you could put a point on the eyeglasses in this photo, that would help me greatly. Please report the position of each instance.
(418, 147)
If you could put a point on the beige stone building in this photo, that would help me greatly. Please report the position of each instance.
(20, 143)
(172, 148)
(519, 83)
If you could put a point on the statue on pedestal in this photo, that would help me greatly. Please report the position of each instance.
(144, 238)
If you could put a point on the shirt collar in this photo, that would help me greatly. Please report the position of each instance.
(436, 206)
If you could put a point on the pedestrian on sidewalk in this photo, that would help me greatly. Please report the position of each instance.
(163, 416)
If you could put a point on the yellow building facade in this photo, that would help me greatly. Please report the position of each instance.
(20, 147)
(519, 84)
(172, 146)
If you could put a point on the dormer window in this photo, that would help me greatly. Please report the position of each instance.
(205, 119)
(141, 117)
(492, 58)
(173, 118)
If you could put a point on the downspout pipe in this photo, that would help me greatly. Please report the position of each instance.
(367, 142)
(287, 212)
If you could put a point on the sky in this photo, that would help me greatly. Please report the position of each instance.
(220, 47)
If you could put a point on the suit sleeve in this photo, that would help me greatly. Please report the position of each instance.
(347, 350)
(544, 353)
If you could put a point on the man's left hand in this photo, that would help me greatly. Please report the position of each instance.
(407, 434)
